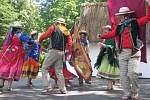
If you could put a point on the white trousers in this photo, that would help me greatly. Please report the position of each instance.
(128, 72)
(54, 59)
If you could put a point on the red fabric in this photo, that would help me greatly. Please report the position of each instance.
(49, 33)
(67, 74)
(69, 44)
(135, 5)
(126, 40)
(12, 61)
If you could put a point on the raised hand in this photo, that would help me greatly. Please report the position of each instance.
(98, 35)
(101, 44)
(148, 1)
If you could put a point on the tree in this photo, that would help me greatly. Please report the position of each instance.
(60, 8)
(37, 15)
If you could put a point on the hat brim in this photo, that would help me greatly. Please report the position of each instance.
(34, 33)
(124, 13)
(61, 22)
(19, 27)
(83, 33)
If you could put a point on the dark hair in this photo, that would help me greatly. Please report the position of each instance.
(15, 29)
(109, 29)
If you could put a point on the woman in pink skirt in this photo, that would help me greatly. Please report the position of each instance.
(12, 56)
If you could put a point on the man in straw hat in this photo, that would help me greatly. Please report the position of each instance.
(129, 45)
(60, 38)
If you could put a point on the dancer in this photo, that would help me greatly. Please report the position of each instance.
(31, 65)
(107, 62)
(12, 55)
(129, 45)
(61, 38)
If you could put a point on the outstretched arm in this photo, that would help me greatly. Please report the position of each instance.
(142, 21)
(47, 34)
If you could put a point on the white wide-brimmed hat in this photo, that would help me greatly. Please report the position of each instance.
(108, 27)
(61, 20)
(16, 25)
(34, 32)
(124, 10)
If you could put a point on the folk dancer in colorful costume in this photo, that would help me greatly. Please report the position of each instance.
(80, 58)
(60, 38)
(31, 65)
(12, 55)
(129, 46)
(107, 63)
(84, 41)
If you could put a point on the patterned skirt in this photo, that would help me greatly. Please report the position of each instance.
(30, 69)
(108, 71)
(11, 65)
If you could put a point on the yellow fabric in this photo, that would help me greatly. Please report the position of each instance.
(81, 61)
(30, 70)
(64, 29)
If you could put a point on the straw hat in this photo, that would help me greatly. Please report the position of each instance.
(61, 20)
(83, 32)
(124, 10)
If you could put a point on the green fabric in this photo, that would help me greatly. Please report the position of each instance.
(132, 24)
(110, 42)
(108, 71)
(110, 51)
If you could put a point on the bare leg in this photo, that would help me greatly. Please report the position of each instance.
(80, 81)
(29, 82)
(10, 85)
(110, 85)
(55, 84)
(1, 85)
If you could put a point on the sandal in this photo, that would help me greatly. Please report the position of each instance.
(46, 91)
(63, 92)
(126, 97)
(9, 90)
(110, 88)
(135, 96)
(1, 90)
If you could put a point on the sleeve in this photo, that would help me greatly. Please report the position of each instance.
(26, 39)
(69, 44)
(43, 49)
(47, 34)
(109, 34)
(34, 54)
(143, 20)
(110, 46)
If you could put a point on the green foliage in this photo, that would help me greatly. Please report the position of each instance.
(60, 8)
(19, 11)
(38, 17)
